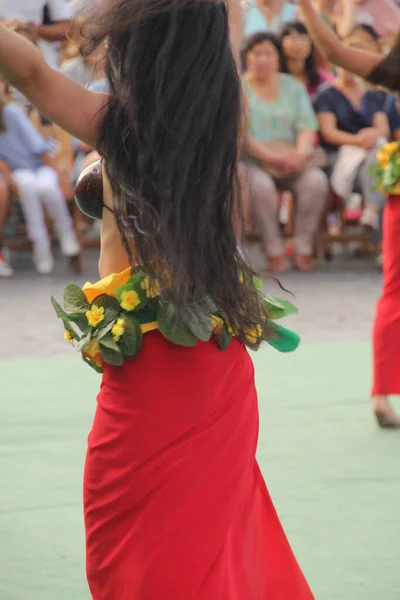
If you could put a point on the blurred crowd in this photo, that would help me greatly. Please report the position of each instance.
(312, 132)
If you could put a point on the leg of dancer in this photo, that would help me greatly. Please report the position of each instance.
(384, 71)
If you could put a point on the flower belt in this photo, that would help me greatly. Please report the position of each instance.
(106, 321)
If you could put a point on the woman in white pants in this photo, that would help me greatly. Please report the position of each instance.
(25, 152)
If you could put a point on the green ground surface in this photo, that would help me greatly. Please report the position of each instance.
(333, 475)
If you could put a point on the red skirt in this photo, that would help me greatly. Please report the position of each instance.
(386, 335)
(175, 505)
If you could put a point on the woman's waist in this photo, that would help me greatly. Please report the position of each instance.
(162, 366)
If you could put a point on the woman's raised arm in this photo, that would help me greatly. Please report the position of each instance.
(235, 25)
(360, 62)
(63, 101)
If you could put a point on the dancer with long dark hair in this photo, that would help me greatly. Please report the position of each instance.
(386, 336)
(175, 504)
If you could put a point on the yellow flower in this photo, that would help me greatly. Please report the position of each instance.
(129, 300)
(118, 330)
(253, 335)
(68, 337)
(386, 152)
(395, 190)
(152, 288)
(95, 315)
(217, 324)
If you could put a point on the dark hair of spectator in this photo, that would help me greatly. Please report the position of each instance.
(371, 31)
(170, 142)
(259, 38)
(311, 68)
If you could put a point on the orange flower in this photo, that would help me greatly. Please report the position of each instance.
(108, 285)
(94, 353)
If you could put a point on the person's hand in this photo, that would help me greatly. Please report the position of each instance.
(28, 30)
(12, 24)
(292, 162)
(367, 138)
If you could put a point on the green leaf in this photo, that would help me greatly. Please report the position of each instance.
(174, 330)
(258, 282)
(111, 308)
(375, 170)
(81, 321)
(74, 299)
(131, 340)
(283, 339)
(92, 364)
(102, 332)
(84, 341)
(199, 323)
(111, 352)
(224, 339)
(209, 306)
(276, 308)
(65, 318)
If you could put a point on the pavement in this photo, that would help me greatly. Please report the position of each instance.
(333, 475)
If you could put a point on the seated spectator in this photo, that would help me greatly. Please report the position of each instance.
(85, 156)
(367, 37)
(279, 151)
(392, 108)
(7, 187)
(268, 15)
(25, 153)
(352, 125)
(85, 70)
(298, 57)
(383, 15)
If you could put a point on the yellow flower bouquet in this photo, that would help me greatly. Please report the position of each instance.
(106, 321)
(387, 169)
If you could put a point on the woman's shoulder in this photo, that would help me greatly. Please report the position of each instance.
(327, 90)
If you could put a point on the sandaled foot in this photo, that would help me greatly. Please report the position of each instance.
(385, 415)
(277, 264)
(304, 263)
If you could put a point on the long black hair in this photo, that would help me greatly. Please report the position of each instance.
(387, 73)
(170, 142)
(311, 68)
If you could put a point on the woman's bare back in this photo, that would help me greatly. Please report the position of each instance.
(113, 256)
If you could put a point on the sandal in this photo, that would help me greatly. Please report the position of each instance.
(277, 265)
(304, 263)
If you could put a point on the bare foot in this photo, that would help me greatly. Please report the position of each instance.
(277, 264)
(384, 413)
